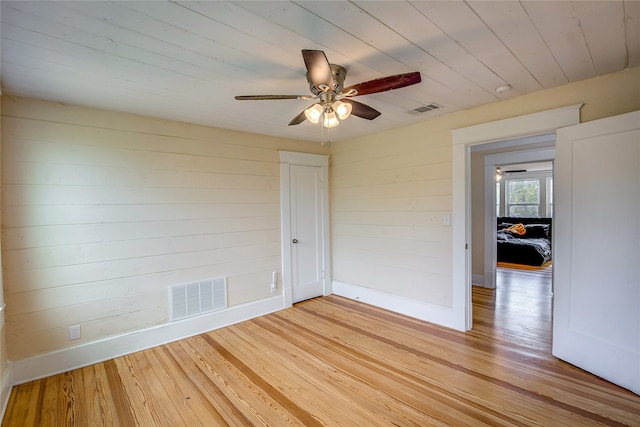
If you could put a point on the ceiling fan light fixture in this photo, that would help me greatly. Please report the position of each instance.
(326, 83)
(342, 109)
(330, 119)
(313, 113)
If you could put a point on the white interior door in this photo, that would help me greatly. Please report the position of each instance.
(307, 273)
(596, 323)
(306, 264)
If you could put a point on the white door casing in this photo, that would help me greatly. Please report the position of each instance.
(462, 140)
(305, 226)
(596, 318)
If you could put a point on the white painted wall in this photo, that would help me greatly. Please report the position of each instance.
(388, 198)
(390, 192)
(103, 211)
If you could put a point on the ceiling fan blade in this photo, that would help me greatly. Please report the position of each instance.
(263, 97)
(384, 84)
(318, 68)
(298, 119)
(362, 110)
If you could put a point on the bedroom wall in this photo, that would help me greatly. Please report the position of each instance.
(103, 211)
(390, 192)
(388, 195)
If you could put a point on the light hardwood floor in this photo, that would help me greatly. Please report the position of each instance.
(333, 361)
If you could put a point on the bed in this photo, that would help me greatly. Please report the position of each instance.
(525, 241)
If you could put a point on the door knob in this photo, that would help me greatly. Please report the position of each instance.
(295, 240)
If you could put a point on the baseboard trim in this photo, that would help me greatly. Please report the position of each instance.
(417, 309)
(5, 390)
(59, 361)
(477, 279)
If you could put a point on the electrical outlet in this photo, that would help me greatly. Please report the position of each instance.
(274, 282)
(74, 332)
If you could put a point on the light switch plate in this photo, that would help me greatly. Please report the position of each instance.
(74, 332)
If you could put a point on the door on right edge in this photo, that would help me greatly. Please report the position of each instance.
(596, 314)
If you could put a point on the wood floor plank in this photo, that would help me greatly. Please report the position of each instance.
(290, 399)
(97, 397)
(398, 388)
(193, 399)
(334, 361)
(50, 400)
(71, 406)
(338, 395)
(243, 402)
(25, 402)
(162, 390)
(225, 411)
(121, 403)
(442, 370)
(144, 404)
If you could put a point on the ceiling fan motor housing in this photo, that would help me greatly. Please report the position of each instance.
(338, 74)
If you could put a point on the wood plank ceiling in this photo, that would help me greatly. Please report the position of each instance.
(187, 60)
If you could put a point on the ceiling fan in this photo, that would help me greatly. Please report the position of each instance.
(326, 82)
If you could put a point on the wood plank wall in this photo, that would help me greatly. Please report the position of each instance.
(103, 211)
(388, 199)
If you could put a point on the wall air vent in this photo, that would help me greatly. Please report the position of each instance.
(426, 108)
(197, 298)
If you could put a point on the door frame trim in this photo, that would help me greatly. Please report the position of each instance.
(288, 159)
(462, 139)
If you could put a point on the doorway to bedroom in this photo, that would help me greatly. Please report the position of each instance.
(512, 210)
(511, 181)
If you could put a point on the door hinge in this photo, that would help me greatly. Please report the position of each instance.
(321, 184)
(322, 274)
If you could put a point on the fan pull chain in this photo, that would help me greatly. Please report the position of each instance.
(322, 128)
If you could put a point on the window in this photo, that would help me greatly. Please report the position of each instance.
(523, 197)
(525, 194)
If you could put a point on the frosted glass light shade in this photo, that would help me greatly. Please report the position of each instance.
(330, 120)
(343, 109)
(313, 113)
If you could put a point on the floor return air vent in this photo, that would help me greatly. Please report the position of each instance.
(197, 298)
